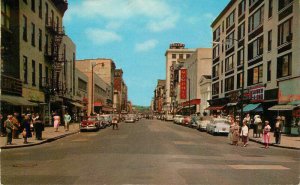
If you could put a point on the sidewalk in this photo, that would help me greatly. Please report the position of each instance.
(291, 142)
(48, 135)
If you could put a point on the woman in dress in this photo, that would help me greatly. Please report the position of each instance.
(231, 129)
(235, 134)
(244, 133)
(27, 130)
(56, 119)
(266, 133)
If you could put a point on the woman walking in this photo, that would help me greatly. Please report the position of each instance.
(235, 134)
(56, 119)
(244, 133)
(27, 131)
(266, 133)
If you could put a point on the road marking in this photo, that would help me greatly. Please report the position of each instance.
(258, 167)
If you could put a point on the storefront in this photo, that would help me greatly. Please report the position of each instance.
(217, 106)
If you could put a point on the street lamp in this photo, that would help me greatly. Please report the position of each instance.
(92, 103)
(243, 74)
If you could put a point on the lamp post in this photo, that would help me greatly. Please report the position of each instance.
(92, 103)
(243, 74)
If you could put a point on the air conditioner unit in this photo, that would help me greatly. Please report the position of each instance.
(289, 38)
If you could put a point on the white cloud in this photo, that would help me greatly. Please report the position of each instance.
(146, 46)
(100, 36)
(157, 14)
(113, 25)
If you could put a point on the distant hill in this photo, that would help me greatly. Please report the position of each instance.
(139, 108)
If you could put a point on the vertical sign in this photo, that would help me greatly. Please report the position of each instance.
(171, 80)
(183, 75)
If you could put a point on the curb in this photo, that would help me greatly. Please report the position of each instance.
(275, 145)
(42, 142)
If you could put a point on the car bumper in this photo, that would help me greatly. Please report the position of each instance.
(88, 128)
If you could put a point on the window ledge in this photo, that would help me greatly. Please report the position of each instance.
(284, 44)
(257, 27)
(283, 78)
(286, 7)
(255, 58)
(229, 70)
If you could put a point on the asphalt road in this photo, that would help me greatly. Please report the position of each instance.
(148, 152)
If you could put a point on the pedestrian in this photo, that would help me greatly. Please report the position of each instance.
(67, 119)
(266, 133)
(27, 129)
(38, 127)
(278, 130)
(114, 122)
(56, 119)
(235, 134)
(231, 130)
(244, 133)
(16, 126)
(257, 123)
(8, 124)
(248, 120)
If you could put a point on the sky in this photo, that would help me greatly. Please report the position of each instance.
(135, 34)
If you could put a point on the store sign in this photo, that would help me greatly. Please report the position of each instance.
(172, 80)
(257, 94)
(183, 81)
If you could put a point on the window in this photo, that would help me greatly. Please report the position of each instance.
(222, 46)
(24, 28)
(32, 34)
(47, 74)
(242, 8)
(239, 80)
(222, 67)
(230, 20)
(270, 40)
(240, 57)
(40, 9)
(229, 63)
(221, 86)
(33, 72)
(173, 55)
(230, 40)
(216, 51)
(46, 44)
(222, 26)
(40, 39)
(256, 19)
(284, 65)
(285, 32)
(255, 75)
(40, 75)
(269, 71)
(216, 34)
(229, 84)
(25, 69)
(270, 13)
(188, 55)
(255, 48)
(5, 15)
(283, 3)
(46, 14)
(241, 31)
(252, 2)
(215, 88)
(216, 71)
(180, 56)
(33, 5)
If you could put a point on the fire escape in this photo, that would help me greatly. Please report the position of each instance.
(53, 55)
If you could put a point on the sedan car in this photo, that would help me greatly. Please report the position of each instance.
(178, 119)
(90, 123)
(218, 126)
(202, 124)
(186, 120)
(130, 118)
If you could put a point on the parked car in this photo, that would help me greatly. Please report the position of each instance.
(186, 120)
(202, 124)
(178, 119)
(107, 119)
(169, 117)
(130, 118)
(218, 126)
(90, 123)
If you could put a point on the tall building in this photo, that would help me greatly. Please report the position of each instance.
(120, 92)
(187, 80)
(176, 52)
(259, 38)
(103, 74)
(32, 35)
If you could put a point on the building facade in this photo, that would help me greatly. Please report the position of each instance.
(159, 96)
(175, 54)
(255, 47)
(120, 92)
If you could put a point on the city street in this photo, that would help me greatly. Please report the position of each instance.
(148, 152)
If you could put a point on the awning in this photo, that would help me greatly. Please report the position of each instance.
(77, 104)
(215, 107)
(231, 104)
(97, 104)
(296, 102)
(282, 107)
(253, 108)
(17, 100)
(107, 109)
(186, 107)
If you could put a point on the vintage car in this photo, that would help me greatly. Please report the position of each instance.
(130, 118)
(218, 126)
(178, 119)
(90, 123)
(202, 123)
